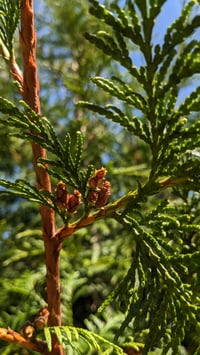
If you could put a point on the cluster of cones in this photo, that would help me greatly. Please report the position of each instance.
(97, 195)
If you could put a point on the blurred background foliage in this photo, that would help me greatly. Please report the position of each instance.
(93, 261)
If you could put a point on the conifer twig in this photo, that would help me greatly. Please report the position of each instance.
(13, 337)
(110, 209)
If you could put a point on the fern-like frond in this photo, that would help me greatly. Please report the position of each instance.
(148, 282)
(158, 81)
(114, 113)
(81, 340)
(9, 19)
(66, 156)
(24, 190)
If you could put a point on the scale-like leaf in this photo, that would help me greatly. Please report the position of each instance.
(78, 151)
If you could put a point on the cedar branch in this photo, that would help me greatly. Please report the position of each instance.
(13, 337)
(109, 210)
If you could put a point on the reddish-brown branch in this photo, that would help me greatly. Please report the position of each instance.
(105, 212)
(13, 337)
(110, 209)
(30, 91)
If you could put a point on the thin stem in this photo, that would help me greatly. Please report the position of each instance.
(30, 91)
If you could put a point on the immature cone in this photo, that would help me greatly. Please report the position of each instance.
(28, 331)
(73, 202)
(103, 194)
(92, 196)
(65, 200)
(97, 178)
(99, 191)
(61, 195)
(41, 318)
